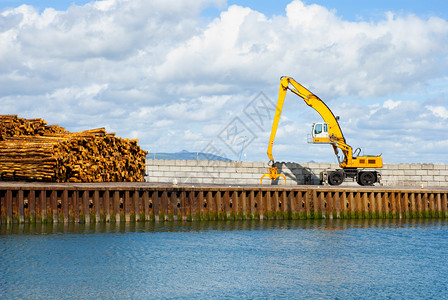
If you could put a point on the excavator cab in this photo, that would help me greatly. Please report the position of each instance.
(320, 133)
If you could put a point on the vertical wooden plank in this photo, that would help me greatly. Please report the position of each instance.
(43, 205)
(185, 208)
(54, 205)
(398, 200)
(351, 204)
(425, 204)
(86, 206)
(244, 204)
(8, 206)
(165, 205)
(116, 205)
(344, 204)
(290, 203)
(378, 204)
(172, 206)
(65, 206)
(251, 202)
(184, 204)
(156, 205)
(268, 207)
(308, 203)
(385, 203)
(365, 205)
(15, 204)
(316, 203)
(127, 206)
(136, 204)
(209, 204)
(406, 203)
(76, 204)
(226, 203)
(192, 205)
(337, 204)
(219, 209)
(21, 207)
(445, 205)
(97, 205)
(413, 206)
(146, 209)
(359, 204)
(236, 204)
(188, 210)
(419, 204)
(3, 208)
(259, 202)
(330, 209)
(276, 203)
(394, 204)
(438, 205)
(373, 205)
(107, 204)
(200, 205)
(431, 202)
(322, 204)
(284, 203)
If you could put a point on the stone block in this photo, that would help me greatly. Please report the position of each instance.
(155, 174)
(438, 178)
(404, 166)
(409, 172)
(421, 172)
(397, 172)
(428, 178)
(191, 163)
(427, 166)
(167, 162)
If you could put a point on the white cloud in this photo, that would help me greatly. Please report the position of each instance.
(154, 70)
(391, 104)
(439, 111)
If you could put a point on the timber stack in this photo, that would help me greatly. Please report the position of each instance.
(34, 151)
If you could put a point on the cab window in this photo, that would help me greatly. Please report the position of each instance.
(325, 127)
(317, 128)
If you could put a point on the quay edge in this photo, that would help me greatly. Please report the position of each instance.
(24, 202)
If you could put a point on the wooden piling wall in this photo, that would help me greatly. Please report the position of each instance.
(112, 202)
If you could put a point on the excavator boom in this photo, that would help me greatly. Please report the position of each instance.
(328, 132)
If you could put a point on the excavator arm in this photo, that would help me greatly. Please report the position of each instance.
(336, 137)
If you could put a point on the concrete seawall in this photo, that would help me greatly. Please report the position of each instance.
(219, 172)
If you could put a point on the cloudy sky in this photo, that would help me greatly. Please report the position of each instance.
(204, 74)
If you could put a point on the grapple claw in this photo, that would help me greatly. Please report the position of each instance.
(273, 174)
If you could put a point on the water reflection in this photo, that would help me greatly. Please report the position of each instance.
(200, 226)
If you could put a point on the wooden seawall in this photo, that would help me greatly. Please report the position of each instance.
(22, 202)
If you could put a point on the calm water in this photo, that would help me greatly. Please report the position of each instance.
(269, 259)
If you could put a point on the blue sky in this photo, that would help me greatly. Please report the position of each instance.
(347, 9)
(180, 74)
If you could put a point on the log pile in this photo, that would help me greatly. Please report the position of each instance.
(32, 150)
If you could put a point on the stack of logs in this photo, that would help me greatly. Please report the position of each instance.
(31, 150)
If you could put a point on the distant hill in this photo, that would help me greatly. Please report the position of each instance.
(185, 155)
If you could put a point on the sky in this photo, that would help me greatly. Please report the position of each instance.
(203, 75)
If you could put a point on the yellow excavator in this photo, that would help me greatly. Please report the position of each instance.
(359, 168)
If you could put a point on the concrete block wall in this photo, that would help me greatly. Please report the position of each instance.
(242, 173)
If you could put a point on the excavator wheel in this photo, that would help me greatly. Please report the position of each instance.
(336, 178)
(366, 178)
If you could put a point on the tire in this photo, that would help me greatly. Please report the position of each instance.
(336, 178)
(367, 178)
